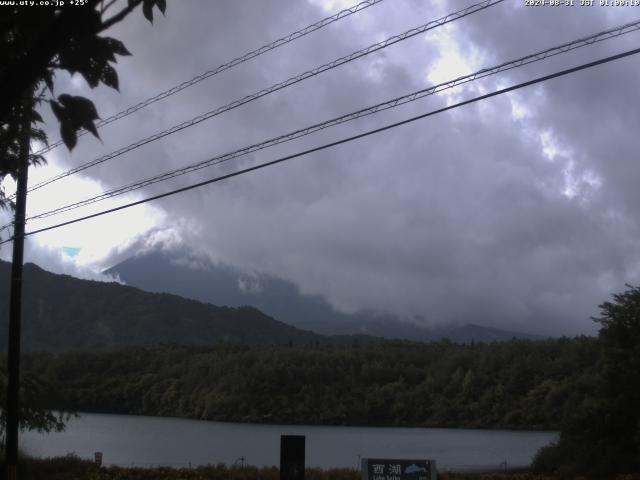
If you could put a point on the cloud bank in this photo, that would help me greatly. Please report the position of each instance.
(517, 212)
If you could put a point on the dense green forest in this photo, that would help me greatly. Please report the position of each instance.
(516, 384)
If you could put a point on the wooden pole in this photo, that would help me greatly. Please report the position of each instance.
(15, 307)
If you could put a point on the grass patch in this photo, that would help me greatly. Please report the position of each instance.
(74, 468)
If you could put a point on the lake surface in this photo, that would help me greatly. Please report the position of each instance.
(145, 441)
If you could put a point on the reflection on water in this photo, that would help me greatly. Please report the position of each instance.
(126, 440)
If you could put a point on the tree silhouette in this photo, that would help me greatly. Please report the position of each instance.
(39, 41)
(603, 436)
(36, 42)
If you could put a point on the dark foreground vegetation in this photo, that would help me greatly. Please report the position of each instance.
(73, 468)
(517, 384)
(601, 435)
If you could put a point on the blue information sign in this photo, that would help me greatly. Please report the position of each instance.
(398, 469)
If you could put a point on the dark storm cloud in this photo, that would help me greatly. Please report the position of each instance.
(457, 218)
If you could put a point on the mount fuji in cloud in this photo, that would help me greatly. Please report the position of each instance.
(190, 276)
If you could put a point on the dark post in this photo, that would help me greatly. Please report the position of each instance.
(292, 457)
(15, 307)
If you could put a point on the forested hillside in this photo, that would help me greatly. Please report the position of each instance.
(63, 313)
(517, 384)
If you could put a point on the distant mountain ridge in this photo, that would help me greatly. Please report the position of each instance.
(63, 313)
(184, 274)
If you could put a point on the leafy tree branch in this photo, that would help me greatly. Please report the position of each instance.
(37, 43)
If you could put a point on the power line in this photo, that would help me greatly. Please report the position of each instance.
(339, 142)
(226, 66)
(395, 102)
(278, 86)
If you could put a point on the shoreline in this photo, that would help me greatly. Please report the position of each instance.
(512, 429)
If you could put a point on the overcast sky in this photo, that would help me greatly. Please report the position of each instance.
(518, 212)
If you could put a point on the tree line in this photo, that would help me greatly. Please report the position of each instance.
(515, 384)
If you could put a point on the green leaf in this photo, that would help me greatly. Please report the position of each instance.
(37, 160)
(74, 113)
(79, 108)
(36, 117)
(90, 58)
(81, 111)
(48, 80)
(147, 9)
(116, 46)
(110, 77)
(58, 111)
(68, 134)
(39, 135)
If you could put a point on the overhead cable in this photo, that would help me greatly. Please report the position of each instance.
(278, 86)
(395, 102)
(338, 142)
(226, 66)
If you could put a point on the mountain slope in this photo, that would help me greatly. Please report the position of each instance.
(62, 313)
(192, 277)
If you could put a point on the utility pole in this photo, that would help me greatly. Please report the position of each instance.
(15, 307)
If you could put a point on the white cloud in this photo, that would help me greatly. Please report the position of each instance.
(460, 217)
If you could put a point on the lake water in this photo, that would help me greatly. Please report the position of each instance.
(144, 441)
